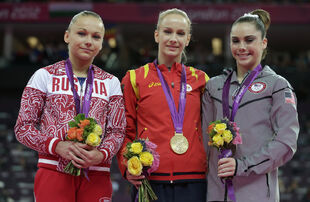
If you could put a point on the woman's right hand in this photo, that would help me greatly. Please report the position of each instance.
(63, 149)
(135, 180)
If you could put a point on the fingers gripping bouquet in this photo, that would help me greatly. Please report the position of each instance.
(83, 130)
(142, 159)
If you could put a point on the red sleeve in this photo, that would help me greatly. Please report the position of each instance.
(131, 117)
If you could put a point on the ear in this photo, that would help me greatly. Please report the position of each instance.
(188, 39)
(66, 36)
(156, 35)
(265, 42)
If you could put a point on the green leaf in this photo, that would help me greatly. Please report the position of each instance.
(72, 124)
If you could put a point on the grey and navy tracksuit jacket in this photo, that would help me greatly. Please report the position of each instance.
(267, 117)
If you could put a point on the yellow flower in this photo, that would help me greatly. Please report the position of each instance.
(93, 139)
(220, 127)
(227, 136)
(136, 147)
(134, 166)
(218, 140)
(146, 158)
(97, 130)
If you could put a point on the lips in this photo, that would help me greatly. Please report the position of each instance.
(243, 55)
(172, 47)
(86, 50)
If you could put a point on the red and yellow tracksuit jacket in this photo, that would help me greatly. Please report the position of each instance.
(146, 107)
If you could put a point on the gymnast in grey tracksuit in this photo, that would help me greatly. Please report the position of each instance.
(266, 116)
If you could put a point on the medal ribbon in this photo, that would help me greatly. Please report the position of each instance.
(240, 93)
(177, 117)
(88, 90)
(229, 190)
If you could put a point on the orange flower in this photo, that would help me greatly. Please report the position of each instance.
(84, 123)
(79, 134)
(210, 128)
(72, 133)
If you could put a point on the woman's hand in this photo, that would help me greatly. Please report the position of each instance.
(83, 155)
(135, 180)
(62, 149)
(226, 167)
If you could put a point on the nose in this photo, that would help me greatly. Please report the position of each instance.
(173, 37)
(242, 46)
(88, 41)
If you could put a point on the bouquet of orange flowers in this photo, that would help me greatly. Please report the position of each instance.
(142, 159)
(224, 134)
(83, 130)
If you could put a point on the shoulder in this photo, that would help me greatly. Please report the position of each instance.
(198, 74)
(217, 81)
(101, 74)
(278, 81)
(57, 69)
(140, 72)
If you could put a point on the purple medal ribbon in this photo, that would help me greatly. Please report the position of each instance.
(177, 117)
(237, 100)
(87, 95)
(244, 87)
(88, 91)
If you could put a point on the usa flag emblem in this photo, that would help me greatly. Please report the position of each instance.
(289, 97)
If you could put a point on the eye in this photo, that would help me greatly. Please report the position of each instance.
(181, 33)
(166, 31)
(97, 37)
(249, 39)
(235, 40)
(81, 33)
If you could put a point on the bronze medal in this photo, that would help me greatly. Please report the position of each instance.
(179, 143)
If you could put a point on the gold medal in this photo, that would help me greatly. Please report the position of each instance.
(179, 143)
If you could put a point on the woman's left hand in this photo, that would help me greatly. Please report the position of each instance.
(85, 155)
(226, 167)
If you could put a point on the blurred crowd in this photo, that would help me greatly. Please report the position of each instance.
(170, 1)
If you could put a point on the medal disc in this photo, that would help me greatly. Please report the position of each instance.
(179, 143)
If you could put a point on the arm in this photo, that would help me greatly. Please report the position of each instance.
(27, 128)
(281, 148)
(115, 125)
(131, 119)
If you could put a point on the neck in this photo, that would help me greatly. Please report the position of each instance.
(241, 71)
(80, 68)
(168, 61)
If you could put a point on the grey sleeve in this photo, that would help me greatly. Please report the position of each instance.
(207, 114)
(282, 146)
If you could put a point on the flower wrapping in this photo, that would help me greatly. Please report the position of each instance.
(83, 130)
(142, 159)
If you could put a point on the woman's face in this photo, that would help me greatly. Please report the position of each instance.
(172, 36)
(247, 45)
(85, 38)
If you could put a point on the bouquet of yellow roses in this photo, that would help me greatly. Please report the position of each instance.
(224, 134)
(83, 130)
(142, 159)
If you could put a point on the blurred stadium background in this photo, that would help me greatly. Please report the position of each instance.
(31, 36)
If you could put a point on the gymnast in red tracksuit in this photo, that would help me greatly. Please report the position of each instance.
(48, 103)
(181, 173)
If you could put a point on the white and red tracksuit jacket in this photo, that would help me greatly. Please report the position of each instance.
(47, 105)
